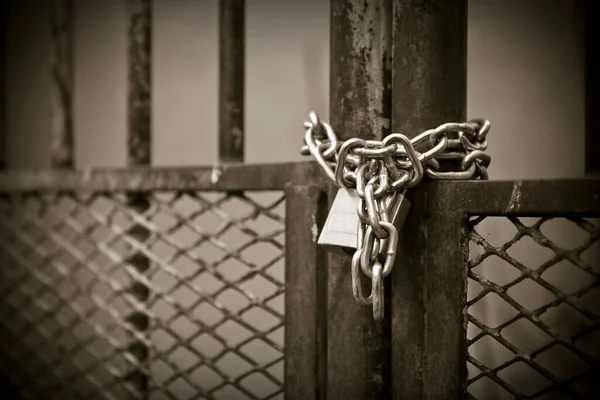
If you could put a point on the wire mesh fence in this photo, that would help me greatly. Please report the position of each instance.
(534, 308)
(73, 288)
(214, 295)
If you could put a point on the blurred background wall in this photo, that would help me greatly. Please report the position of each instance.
(525, 74)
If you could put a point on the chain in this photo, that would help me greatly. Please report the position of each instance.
(381, 170)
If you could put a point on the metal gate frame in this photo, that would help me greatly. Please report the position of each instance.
(427, 339)
(429, 342)
(304, 195)
(396, 65)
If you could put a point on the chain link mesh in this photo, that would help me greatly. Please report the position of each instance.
(214, 292)
(533, 308)
(215, 298)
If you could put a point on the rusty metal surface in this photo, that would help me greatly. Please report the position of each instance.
(429, 88)
(216, 303)
(428, 297)
(360, 106)
(226, 177)
(430, 64)
(139, 82)
(522, 197)
(61, 132)
(306, 301)
(139, 153)
(231, 80)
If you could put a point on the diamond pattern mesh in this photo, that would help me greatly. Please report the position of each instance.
(71, 288)
(534, 308)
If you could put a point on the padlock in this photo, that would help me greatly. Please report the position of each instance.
(340, 232)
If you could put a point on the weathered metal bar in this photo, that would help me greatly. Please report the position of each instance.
(360, 106)
(139, 154)
(430, 66)
(139, 82)
(592, 88)
(61, 132)
(531, 198)
(231, 80)
(231, 177)
(429, 88)
(305, 294)
(3, 84)
(429, 293)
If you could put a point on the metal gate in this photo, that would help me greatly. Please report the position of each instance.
(189, 283)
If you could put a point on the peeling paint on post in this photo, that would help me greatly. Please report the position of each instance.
(231, 80)
(360, 106)
(430, 64)
(361, 61)
(429, 278)
(61, 140)
(139, 154)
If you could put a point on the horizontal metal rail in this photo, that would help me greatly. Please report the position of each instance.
(519, 197)
(227, 177)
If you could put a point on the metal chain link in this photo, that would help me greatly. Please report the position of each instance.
(380, 170)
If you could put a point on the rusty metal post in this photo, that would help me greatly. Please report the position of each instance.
(305, 293)
(61, 131)
(139, 149)
(231, 80)
(360, 106)
(428, 293)
(592, 88)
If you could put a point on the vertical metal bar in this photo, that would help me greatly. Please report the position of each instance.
(429, 88)
(4, 19)
(592, 88)
(430, 64)
(428, 300)
(360, 106)
(140, 77)
(305, 295)
(231, 80)
(139, 149)
(61, 142)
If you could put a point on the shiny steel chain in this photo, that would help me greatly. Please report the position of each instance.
(379, 170)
